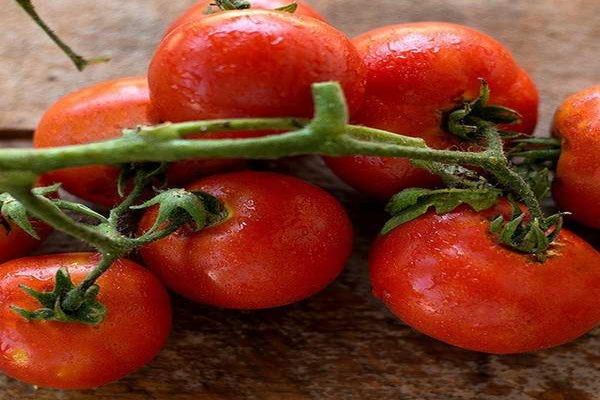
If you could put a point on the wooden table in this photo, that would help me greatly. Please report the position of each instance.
(340, 344)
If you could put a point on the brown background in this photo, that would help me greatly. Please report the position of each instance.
(340, 344)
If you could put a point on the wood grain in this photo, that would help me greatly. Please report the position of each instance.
(340, 344)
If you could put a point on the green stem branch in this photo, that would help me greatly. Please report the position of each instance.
(79, 61)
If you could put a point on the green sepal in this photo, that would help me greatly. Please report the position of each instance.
(14, 212)
(530, 237)
(537, 177)
(466, 121)
(88, 309)
(232, 4)
(412, 203)
(290, 8)
(179, 206)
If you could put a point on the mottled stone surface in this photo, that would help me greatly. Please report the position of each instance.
(340, 344)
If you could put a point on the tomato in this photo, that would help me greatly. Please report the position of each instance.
(577, 184)
(100, 112)
(15, 242)
(416, 73)
(284, 240)
(447, 277)
(251, 63)
(73, 355)
(199, 10)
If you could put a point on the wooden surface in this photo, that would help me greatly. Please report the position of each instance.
(340, 344)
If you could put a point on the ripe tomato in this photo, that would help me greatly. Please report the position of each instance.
(577, 184)
(77, 356)
(447, 277)
(100, 112)
(416, 72)
(251, 63)
(199, 10)
(284, 240)
(15, 242)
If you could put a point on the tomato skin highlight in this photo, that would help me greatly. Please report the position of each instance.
(198, 11)
(445, 276)
(415, 73)
(577, 183)
(251, 63)
(283, 241)
(77, 356)
(100, 112)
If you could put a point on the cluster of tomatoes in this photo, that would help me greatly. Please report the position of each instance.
(284, 239)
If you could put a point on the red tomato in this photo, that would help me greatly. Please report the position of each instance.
(15, 242)
(77, 356)
(284, 240)
(577, 183)
(447, 277)
(416, 72)
(251, 63)
(199, 10)
(100, 112)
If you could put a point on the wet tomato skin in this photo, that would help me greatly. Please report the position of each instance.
(78, 356)
(283, 241)
(100, 112)
(199, 11)
(577, 185)
(415, 73)
(446, 277)
(250, 63)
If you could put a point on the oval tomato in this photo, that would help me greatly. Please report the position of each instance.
(577, 184)
(284, 240)
(415, 73)
(202, 9)
(77, 356)
(100, 112)
(447, 277)
(251, 63)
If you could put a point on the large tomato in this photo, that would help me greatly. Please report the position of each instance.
(73, 355)
(447, 277)
(251, 63)
(284, 240)
(100, 112)
(577, 183)
(203, 7)
(416, 73)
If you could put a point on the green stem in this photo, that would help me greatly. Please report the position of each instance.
(107, 260)
(79, 61)
(45, 210)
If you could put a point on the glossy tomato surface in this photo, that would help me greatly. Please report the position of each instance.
(415, 73)
(77, 356)
(448, 278)
(251, 63)
(284, 240)
(15, 242)
(100, 112)
(203, 8)
(577, 184)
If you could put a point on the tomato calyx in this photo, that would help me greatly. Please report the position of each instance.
(177, 207)
(412, 203)
(86, 309)
(227, 5)
(532, 236)
(468, 119)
